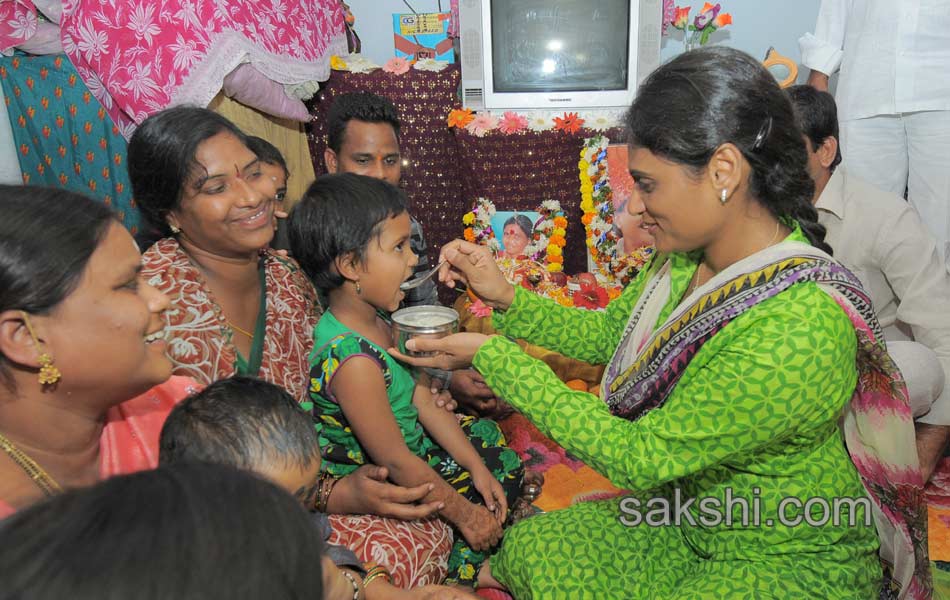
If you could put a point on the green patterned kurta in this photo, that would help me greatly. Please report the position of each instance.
(756, 409)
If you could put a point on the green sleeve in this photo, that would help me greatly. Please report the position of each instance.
(584, 335)
(783, 366)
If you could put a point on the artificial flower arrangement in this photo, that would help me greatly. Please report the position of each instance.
(357, 63)
(613, 265)
(510, 122)
(709, 20)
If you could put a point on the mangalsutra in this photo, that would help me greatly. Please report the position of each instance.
(40, 477)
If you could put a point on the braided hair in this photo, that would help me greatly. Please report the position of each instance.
(704, 98)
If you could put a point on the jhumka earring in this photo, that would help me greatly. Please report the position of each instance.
(49, 374)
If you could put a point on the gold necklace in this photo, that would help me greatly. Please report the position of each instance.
(40, 477)
(239, 330)
(695, 283)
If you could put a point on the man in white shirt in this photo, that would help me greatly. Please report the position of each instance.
(893, 96)
(881, 239)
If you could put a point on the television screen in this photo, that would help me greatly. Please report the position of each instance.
(564, 46)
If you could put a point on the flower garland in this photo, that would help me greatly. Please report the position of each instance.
(478, 227)
(597, 205)
(510, 123)
(548, 239)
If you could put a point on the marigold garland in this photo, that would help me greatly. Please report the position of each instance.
(597, 205)
(548, 239)
(478, 222)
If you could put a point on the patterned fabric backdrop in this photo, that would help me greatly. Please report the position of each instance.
(141, 57)
(64, 137)
(449, 168)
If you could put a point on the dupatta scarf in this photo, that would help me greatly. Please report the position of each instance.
(877, 422)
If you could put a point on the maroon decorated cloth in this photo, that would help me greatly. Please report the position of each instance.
(449, 168)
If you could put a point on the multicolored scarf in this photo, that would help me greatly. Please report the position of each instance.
(877, 423)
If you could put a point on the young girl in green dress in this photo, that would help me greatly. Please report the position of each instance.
(351, 236)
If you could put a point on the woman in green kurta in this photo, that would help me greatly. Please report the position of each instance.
(730, 361)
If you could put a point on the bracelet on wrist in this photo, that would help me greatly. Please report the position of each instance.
(357, 585)
(325, 488)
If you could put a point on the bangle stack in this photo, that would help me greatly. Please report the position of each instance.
(376, 571)
(324, 489)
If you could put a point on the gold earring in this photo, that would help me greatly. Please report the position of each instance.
(359, 290)
(49, 374)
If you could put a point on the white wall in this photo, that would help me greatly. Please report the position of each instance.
(758, 25)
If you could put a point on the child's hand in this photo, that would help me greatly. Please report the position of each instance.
(480, 529)
(444, 399)
(492, 493)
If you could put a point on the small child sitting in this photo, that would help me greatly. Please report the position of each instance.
(350, 234)
(254, 425)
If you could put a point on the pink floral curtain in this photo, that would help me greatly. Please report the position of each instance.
(17, 23)
(139, 56)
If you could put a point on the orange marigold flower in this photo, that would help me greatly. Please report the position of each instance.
(460, 117)
(560, 222)
(587, 218)
(469, 234)
(556, 259)
(557, 240)
(569, 123)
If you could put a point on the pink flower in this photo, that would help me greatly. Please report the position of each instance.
(397, 65)
(482, 124)
(512, 122)
(480, 309)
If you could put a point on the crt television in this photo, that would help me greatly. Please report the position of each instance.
(556, 54)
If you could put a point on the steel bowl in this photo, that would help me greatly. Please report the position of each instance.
(422, 322)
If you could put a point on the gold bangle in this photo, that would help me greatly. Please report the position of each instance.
(377, 572)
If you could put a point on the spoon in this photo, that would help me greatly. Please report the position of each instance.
(414, 283)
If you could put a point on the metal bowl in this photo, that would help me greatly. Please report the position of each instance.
(422, 322)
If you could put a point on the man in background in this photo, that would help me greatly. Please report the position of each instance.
(893, 96)
(363, 138)
(881, 239)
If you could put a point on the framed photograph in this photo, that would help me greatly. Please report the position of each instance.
(514, 229)
(621, 185)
